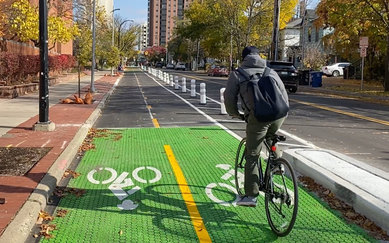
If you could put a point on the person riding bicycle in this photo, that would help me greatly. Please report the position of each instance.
(256, 131)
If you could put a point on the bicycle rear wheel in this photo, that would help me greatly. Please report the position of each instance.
(239, 167)
(281, 199)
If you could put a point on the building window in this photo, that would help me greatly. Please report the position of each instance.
(309, 34)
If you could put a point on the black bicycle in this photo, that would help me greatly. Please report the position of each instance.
(278, 182)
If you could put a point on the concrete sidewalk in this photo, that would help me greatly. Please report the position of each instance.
(26, 195)
(361, 185)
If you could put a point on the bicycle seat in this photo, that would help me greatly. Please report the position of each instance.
(279, 138)
(276, 138)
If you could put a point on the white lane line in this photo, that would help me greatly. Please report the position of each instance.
(63, 144)
(20, 143)
(69, 125)
(144, 98)
(198, 110)
(300, 140)
(47, 142)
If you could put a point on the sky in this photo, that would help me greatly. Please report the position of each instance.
(137, 9)
(132, 9)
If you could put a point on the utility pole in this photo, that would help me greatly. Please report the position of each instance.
(276, 23)
(113, 32)
(43, 124)
(92, 82)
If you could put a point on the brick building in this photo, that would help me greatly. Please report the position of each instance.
(29, 48)
(162, 15)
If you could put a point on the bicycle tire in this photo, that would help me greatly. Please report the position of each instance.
(240, 156)
(281, 200)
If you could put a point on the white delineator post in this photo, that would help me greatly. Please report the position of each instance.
(222, 105)
(176, 82)
(193, 88)
(183, 85)
(171, 81)
(203, 97)
(166, 78)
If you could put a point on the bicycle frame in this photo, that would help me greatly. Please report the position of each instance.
(263, 177)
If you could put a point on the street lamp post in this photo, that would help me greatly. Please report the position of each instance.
(92, 82)
(119, 31)
(276, 22)
(120, 27)
(43, 124)
(113, 32)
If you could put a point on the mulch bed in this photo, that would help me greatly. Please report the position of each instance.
(18, 161)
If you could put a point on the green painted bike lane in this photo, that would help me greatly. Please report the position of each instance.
(134, 193)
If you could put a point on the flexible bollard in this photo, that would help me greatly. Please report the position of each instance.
(171, 81)
(222, 105)
(193, 88)
(183, 86)
(176, 82)
(203, 99)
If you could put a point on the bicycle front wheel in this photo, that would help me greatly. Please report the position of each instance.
(281, 199)
(239, 167)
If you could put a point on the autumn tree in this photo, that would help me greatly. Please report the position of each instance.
(246, 22)
(23, 25)
(155, 53)
(355, 18)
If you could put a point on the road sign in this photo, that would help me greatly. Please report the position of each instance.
(363, 41)
(363, 51)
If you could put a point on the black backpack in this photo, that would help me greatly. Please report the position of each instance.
(264, 97)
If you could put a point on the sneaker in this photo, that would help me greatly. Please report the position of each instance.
(278, 170)
(247, 201)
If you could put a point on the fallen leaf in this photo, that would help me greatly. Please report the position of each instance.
(62, 213)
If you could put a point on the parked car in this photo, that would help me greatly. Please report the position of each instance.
(169, 66)
(158, 65)
(287, 72)
(180, 66)
(218, 71)
(335, 69)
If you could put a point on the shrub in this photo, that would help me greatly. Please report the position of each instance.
(23, 68)
(9, 67)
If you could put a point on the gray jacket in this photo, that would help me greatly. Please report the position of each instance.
(252, 64)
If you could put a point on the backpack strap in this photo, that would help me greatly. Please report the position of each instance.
(266, 72)
(247, 76)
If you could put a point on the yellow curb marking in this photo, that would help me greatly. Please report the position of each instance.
(155, 122)
(343, 112)
(197, 221)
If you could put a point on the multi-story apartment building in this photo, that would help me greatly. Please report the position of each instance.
(108, 6)
(142, 41)
(162, 16)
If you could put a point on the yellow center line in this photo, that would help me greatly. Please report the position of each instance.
(343, 112)
(155, 122)
(197, 221)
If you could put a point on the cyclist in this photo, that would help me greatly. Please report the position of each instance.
(256, 131)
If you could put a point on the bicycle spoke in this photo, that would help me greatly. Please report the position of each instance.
(281, 200)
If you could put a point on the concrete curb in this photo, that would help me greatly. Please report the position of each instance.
(20, 227)
(372, 206)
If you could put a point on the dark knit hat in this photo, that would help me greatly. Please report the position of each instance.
(249, 50)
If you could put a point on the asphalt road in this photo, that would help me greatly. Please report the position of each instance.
(352, 127)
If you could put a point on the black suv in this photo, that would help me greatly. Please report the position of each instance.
(287, 72)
